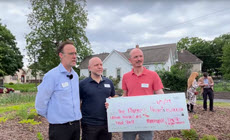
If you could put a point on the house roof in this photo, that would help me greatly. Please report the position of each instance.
(155, 54)
(84, 63)
(152, 54)
(185, 56)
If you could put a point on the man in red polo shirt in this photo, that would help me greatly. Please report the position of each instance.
(140, 81)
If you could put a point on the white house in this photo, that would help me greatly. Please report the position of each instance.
(155, 58)
(23, 76)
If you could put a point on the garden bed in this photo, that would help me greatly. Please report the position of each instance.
(204, 122)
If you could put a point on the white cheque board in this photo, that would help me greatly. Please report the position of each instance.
(147, 113)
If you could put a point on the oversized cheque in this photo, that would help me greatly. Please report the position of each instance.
(146, 113)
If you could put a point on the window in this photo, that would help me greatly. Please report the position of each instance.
(119, 73)
(104, 72)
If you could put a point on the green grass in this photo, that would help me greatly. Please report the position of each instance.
(220, 104)
(30, 87)
(222, 87)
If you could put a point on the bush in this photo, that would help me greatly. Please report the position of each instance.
(115, 81)
(11, 83)
(208, 137)
(82, 77)
(189, 134)
(176, 79)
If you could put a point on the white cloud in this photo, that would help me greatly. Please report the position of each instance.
(122, 24)
(175, 33)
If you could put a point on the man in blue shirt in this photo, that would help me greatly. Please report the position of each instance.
(58, 96)
(93, 92)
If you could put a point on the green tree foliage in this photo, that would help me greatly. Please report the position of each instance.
(208, 51)
(225, 68)
(217, 48)
(10, 56)
(54, 21)
(115, 81)
(176, 79)
(186, 43)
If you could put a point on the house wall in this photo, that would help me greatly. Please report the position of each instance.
(154, 67)
(196, 67)
(31, 79)
(84, 72)
(17, 78)
(114, 61)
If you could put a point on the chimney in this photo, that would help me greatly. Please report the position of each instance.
(137, 46)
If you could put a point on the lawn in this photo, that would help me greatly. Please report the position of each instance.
(26, 87)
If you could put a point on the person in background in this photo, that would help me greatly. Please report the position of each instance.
(140, 81)
(93, 93)
(58, 96)
(191, 91)
(206, 83)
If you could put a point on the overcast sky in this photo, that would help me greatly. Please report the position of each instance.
(121, 24)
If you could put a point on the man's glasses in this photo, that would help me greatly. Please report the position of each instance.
(72, 53)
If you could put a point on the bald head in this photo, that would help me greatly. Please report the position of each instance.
(136, 58)
(133, 51)
(95, 66)
(93, 60)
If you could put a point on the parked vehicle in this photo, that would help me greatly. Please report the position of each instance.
(6, 90)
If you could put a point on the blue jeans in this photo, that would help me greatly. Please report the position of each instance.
(143, 135)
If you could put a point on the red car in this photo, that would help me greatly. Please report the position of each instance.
(6, 90)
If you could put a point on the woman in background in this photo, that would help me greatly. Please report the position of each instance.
(191, 91)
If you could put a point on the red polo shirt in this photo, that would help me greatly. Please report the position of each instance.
(144, 84)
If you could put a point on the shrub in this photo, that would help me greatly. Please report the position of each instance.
(22, 113)
(189, 134)
(176, 79)
(208, 137)
(195, 116)
(39, 136)
(11, 83)
(82, 77)
(32, 114)
(3, 119)
(115, 81)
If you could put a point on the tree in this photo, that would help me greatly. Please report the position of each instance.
(225, 67)
(186, 43)
(10, 56)
(217, 47)
(54, 21)
(208, 51)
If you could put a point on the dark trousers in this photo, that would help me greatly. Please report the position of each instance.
(90, 132)
(67, 131)
(208, 92)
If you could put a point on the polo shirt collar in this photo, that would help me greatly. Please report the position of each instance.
(143, 72)
(91, 80)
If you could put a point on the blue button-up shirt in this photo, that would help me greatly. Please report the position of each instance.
(58, 96)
